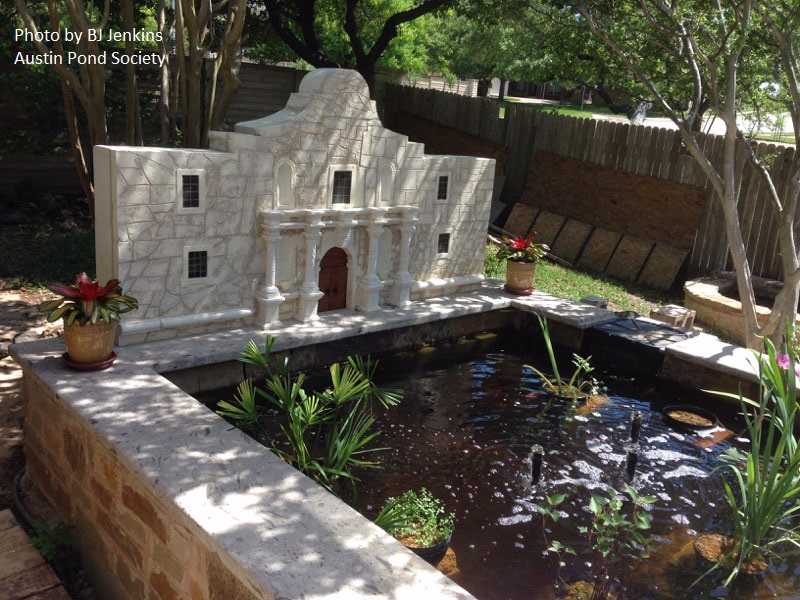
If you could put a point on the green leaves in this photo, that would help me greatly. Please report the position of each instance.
(578, 385)
(417, 518)
(617, 532)
(762, 487)
(87, 302)
(330, 432)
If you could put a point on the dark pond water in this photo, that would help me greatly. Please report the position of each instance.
(465, 429)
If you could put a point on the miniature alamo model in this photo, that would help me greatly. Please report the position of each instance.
(316, 207)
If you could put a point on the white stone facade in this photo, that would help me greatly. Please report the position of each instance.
(235, 235)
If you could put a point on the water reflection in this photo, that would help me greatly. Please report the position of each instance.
(467, 432)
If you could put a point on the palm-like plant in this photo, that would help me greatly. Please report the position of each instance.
(330, 432)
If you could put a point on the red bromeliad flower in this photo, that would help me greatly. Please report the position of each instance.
(520, 243)
(87, 301)
(522, 249)
(85, 288)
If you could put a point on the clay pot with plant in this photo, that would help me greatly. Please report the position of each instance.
(521, 256)
(420, 522)
(580, 385)
(90, 313)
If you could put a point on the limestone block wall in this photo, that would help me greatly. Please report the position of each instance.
(135, 543)
(144, 236)
(234, 235)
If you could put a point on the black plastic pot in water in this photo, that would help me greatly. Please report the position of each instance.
(433, 554)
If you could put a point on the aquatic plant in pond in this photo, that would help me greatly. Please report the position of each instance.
(466, 432)
(617, 534)
(579, 385)
(417, 519)
(329, 432)
(763, 487)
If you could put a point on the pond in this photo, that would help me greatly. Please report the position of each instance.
(465, 430)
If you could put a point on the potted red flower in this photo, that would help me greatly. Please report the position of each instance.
(521, 256)
(90, 313)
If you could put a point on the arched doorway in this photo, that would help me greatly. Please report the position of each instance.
(333, 280)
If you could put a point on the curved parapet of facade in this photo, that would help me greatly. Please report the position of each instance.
(323, 94)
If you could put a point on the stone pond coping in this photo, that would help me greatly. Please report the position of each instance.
(172, 500)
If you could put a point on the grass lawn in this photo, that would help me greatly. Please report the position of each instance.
(572, 284)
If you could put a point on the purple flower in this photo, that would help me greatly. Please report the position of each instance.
(783, 363)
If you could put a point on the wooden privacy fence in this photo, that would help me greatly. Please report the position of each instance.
(590, 170)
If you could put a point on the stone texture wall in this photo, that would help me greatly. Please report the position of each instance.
(283, 167)
(135, 544)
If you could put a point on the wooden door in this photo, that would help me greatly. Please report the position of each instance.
(333, 280)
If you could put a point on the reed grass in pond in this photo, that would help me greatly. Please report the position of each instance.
(465, 430)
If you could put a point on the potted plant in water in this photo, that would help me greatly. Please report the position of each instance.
(580, 385)
(763, 484)
(420, 522)
(521, 256)
(90, 313)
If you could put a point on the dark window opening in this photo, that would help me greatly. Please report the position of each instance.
(441, 191)
(198, 264)
(190, 188)
(444, 243)
(342, 181)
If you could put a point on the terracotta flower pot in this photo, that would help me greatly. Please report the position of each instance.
(714, 547)
(90, 344)
(519, 277)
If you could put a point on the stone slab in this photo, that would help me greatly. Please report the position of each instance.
(571, 240)
(599, 249)
(629, 258)
(673, 314)
(662, 266)
(520, 219)
(547, 225)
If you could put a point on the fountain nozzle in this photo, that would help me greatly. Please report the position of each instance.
(537, 455)
(636, 426)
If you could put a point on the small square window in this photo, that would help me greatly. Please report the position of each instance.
(197, 264)
(441, 190)
(342, 182)
(190, 191)
(443, 243)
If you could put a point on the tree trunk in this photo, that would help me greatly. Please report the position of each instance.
(77, 148)
(501, 95)
(133, 124)
(164, 113)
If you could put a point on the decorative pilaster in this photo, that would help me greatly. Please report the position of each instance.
(269, 297)
(403, 281)
(309, 291)
(370, 286)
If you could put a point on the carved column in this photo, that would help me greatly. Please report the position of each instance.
(403, 281)
(370, 286)
(269, 296)
(309, 291)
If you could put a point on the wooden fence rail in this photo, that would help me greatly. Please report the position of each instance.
(654, 152)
